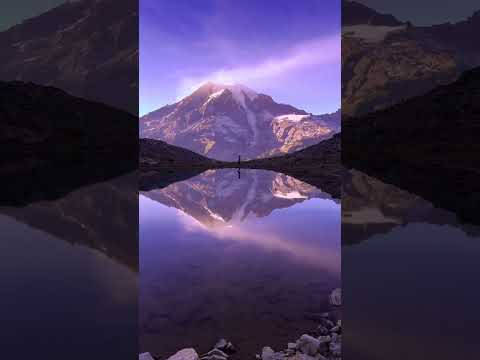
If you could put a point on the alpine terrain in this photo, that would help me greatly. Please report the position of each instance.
(385, 61)
(224, 122)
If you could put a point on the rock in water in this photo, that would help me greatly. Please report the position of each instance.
(222, 343)
(225, 346)
(300, 356)
(308, 344)
(145, 356)
(185, 354)
(336, 297)
(336, 348)
(215, 354)
(267, 353)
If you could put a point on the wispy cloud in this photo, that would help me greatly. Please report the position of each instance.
(319, 51)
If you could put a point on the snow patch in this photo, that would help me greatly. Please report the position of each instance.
(292, 117)
(216, 94)
(214, 215)
(238, 91)
(371, 33)
(290, 195)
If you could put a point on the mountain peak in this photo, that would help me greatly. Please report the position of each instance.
(236, 89)
(224, 120)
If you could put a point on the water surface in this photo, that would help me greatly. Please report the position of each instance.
(410, 274)
(242, 256)
(68, 275)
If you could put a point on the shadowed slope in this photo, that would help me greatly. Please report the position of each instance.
(161, 164)
(53, 143)
(425, 145)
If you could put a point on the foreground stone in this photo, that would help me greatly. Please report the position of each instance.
(225, 346)
(308, 345)
(145, 356)
(185, 354)
(215, 354)
(336, 297)
(323, 343)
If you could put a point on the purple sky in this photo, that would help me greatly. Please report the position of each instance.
(287, 49)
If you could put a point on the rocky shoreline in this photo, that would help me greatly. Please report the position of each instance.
(322, 343)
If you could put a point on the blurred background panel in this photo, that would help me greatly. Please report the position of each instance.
(410, 203)
(68, 196)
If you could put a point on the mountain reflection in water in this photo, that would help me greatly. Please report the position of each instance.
(239, 257)
(69, 274)
(408, 275)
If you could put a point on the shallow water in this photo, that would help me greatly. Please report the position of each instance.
(246, 257)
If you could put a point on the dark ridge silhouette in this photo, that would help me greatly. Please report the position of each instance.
(53, 142)
(427, 145)
(162, 164)
(354, 13)
(318, 165)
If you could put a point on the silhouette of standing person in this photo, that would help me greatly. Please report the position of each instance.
(239, 161)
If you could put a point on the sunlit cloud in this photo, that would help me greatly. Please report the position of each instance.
(319, 51)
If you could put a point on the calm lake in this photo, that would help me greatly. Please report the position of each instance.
(410, 276)
(68, 270)
(245, 256)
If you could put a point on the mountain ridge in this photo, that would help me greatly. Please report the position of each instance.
(225, 121)
(61, 141)
(162, 164)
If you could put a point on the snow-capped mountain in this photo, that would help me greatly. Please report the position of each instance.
(225, 121)
(218, 198)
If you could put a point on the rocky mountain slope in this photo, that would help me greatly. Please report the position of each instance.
(425, 145)
(385, 61)
(162, 164)
(223, 122)
(319, 165)
(88, 48)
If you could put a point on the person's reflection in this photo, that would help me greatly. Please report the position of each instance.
(239, 173)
